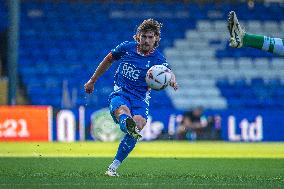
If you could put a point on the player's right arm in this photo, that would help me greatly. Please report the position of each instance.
(115, 54)
(103, 66)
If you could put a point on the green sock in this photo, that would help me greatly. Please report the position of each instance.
(255, 41)
(269, 44)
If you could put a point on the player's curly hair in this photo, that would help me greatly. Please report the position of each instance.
(149, 25)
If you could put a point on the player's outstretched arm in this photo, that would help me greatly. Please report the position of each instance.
(103, 66)
(173, 82)
(240, 38)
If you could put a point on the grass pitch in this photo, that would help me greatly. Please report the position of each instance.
(151, 165)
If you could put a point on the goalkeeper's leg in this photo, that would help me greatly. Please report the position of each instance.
(239, 38)
(270, 44)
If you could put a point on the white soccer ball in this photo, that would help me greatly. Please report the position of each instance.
(158, 77)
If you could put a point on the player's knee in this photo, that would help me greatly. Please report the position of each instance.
(140, 121)
(122, 110)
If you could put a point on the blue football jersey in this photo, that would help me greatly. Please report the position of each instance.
(131, 72)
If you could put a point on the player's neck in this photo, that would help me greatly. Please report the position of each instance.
(144, 53)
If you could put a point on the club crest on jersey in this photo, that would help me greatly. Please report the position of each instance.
(148, 64)
(129, 71)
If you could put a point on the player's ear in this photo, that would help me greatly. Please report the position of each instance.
(136, 38)
(157, 40)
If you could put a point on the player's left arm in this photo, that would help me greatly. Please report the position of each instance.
(173, 82)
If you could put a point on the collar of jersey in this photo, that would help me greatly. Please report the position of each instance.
(150, 52)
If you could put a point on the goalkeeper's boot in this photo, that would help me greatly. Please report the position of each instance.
(236, 31)
(111, 172)
(132, 128)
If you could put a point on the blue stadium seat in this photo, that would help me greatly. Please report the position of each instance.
(69, 40)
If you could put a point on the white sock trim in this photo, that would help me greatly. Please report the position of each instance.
(266, 43)
(278, 47)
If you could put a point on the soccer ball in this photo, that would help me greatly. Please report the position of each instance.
(158, 77)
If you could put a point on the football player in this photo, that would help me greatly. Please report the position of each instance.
(129, 102)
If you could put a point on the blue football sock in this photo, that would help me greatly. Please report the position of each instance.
(122, 122)
(125, 147)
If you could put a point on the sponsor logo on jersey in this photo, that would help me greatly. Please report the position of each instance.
(129, 71)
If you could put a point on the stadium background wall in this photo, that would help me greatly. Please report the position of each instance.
(76, 124)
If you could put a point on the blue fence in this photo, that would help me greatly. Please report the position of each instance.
(246, 125)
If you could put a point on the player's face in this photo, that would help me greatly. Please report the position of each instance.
(147, 41)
